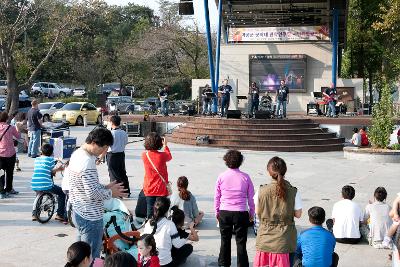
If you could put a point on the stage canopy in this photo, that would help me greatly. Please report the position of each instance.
(284, 13)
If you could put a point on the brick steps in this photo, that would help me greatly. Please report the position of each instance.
(290, 135)
(250, 137)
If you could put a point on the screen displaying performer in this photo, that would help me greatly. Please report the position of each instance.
(269, 70)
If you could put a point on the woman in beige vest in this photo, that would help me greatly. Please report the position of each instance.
(278, 204)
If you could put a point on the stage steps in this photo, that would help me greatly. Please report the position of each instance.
(285, 135)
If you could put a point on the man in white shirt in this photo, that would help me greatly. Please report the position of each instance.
(347, 217)
(116, 154)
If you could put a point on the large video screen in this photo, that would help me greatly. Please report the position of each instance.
(268, 70)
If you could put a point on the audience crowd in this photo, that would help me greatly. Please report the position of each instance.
(173, 216)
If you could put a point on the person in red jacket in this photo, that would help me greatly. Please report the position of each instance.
(364, 136)
(148, 254)
(155, 169)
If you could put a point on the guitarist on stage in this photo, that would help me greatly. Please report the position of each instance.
(330, 99)
(163, 95)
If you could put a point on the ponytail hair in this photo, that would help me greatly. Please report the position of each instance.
(183, 184)
(178, 216)
(161, 207)
(277, 169)
(76, 253)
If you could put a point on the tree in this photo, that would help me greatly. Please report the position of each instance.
(382, 120)
(17, 18)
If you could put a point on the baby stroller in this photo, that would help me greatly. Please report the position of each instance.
(119, 232)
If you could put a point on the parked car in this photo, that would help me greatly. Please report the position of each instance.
(75, 111)
(23, 106)
(49, 108)
(79, 92)
(121, 104)
(106, 88)
(44, 88)
(3, 87)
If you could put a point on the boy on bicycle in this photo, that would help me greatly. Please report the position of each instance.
(42, 180)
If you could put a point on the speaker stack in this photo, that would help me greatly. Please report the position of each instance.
(233, 114)
(263, 114)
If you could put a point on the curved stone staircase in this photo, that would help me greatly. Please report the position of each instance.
(288, 135)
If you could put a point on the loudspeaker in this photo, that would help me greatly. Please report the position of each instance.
(186, 8)
(263, 114)
(233, 114)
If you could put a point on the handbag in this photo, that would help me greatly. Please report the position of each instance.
(167, 185)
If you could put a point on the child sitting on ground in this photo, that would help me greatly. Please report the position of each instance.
(148, 254)
(78, 255)
(364, 136)
(394, 214)
(185, 201)
(377, 217)
(178, 217)
(356, 138)
(42, 180)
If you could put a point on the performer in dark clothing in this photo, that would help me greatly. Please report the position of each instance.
(254, 93)
(207, 100)
(225, 90)
(282, 99)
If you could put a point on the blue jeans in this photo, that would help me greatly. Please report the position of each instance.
(90, 232)
(207, 107)
(164, 107)
(331, 109)
(34, 142)
(60, 199)
(254, 107)
(280, 104)
(224, 105)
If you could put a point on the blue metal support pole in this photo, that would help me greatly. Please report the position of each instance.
(218, 50)
(335, 37)
(210, 54)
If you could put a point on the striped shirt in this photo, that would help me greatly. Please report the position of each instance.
(41, 178)
(86, 193)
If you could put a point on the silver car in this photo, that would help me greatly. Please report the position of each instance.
(49, 108)
(44, 88)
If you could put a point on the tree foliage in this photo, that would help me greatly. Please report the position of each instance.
(372, 49)
(90, 42)
(382, 120)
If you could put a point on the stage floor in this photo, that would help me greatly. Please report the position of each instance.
(342, 120)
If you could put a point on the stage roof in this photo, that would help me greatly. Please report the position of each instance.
(281, 13)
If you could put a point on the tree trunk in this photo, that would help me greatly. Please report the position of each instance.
(371, 97)
(12, 89)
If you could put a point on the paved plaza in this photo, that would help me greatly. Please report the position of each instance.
(318, 176)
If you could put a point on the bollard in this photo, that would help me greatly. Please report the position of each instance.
(85, 120)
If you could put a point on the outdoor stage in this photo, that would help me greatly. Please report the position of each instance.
(298, 133)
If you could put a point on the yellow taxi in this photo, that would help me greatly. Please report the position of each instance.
(74, 113)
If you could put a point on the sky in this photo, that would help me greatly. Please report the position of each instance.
(198, 9)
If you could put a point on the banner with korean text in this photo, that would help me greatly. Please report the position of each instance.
(279, 34)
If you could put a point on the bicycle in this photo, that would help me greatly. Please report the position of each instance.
(46, 202)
